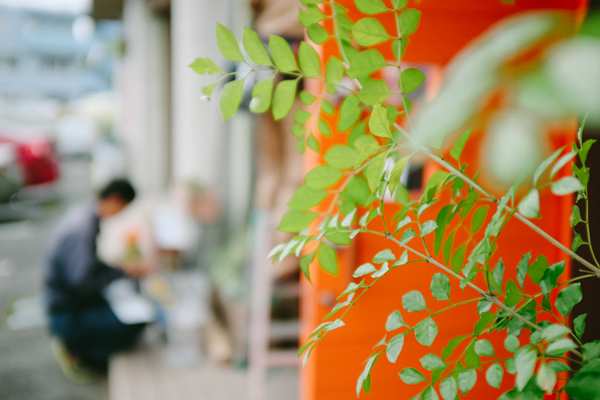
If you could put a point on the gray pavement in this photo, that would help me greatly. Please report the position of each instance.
(27, 369)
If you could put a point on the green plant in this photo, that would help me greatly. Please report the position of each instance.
(341, 198)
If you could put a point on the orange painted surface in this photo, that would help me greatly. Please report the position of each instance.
(335, 364)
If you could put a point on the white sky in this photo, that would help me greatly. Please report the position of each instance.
(68, 6)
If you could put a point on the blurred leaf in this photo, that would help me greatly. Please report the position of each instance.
(560, 347)
(317, 33)
(334, 71)
(394, 347)
(350, 112)
(373, 91)
(511, 343)
(494, 375)
(408, 21)
(375, 171)
(561, 163)
(328, 259)
(228, 44)
(538, 268)
(449, 388)
(371, 6)
(255, 48)
(431, 362)
(411, 376)
(309, 60)
(579, 325)
(546, 378)
(484, 348)
(525, 363)
(459, 145)
(364, 269)
(567, 298)
(322, 176)
(261, 96)
(294, 221)
(230, 98)
(530, 204)
(426, 331)
(544, 166)
(378, 122)
(440, 286)
(365, 63)
(204, 66)
(452, 345)
(411, 79)
(283, 99)
(282, 54)
(478, 218)
(310, 16)
(341, 157)
(567, 185)
(397, 173)
(467, 380)
(369, 31)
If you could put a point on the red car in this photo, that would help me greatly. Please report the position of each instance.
(36, 156)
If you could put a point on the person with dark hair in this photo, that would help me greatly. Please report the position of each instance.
(85, 329)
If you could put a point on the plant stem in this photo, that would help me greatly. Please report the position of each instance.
(481, 190)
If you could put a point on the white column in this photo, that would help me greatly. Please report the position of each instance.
(145, 90)
(199, 153)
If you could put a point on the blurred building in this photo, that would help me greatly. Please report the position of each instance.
(48, 54)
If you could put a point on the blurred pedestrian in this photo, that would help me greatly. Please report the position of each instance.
(86, 331)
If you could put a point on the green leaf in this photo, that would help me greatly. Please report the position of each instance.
(324, 127)
(261, 96)
(511, 343)
(537, 269)
(378, 122)
(341, 157)
(426, 331)
(551, 276)
(442, 220)
(530, 204)
(307, 98)
(228, 44)
(305, 264)
(294, 221)
(407, 235)
(544, 166)
(371, 6)
(327, 107)
(494, 375)
(449, 388)
(448, 250)
(485, 319)
(317, 33)
(554, 331)
(478, 219)
(591, 350)
(230, 98)
(567, 185)
(484, 306)
(431, 362)
(513, 294)
(575, 217)
(561, 163)
(428, 227)
(567, 298)
(254, 48)
(306, 197)
(471, 358)
(411, 79)
(429, 394)
(310, 16)
(283, 99)
(369, 31)
(364, 269)
(375, 171)
(365, 63)
(282, 54)
(365, 374)
(334, 71)
(399, 47)
(433, 185)
(384, 255)
(207, 90)
(452, 345)
(358, 190)
(560, 347)
(579, 325)
(309, 60)
(484, 348)
(204, 66)
(546, 378)
(522, 269)
(458, 258)
(459, 145)
(328, 259)
(350, 112)
(466, 380)
(394, 347)
(525, 363)
(498, 275)
(397, 173)
(408, 21)
(322, 177)
(577, 241)
(411, 376)
(440, 286)
(399, 4)
(394, 321)
(373, 91)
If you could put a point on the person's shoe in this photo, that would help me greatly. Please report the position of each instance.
(70, 366)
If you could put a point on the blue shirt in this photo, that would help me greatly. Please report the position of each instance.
(74, 277)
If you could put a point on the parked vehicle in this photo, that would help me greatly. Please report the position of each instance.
(11, 174)
(36, 156)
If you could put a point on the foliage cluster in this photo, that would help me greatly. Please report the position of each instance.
(342, 197)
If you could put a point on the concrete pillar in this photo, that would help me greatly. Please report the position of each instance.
(146, 96)
(199, 144)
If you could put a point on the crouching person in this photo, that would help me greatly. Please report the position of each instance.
(85, 329)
